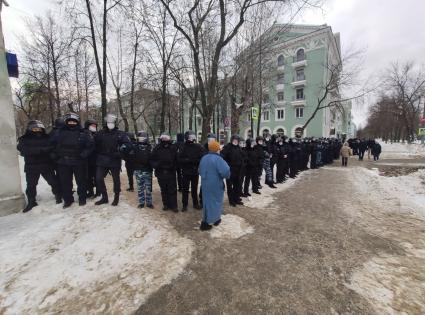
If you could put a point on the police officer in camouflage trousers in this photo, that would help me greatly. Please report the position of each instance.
(72, 145)
(140, 157)
(189, 156)
(34, 146)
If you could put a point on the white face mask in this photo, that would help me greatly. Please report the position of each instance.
(260, 142)
(235, 142)
(92, 128)
(110, 126)
(141, 139)
(280, 142)
(211, 140)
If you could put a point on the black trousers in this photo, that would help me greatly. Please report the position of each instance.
(179, 178)
(32, 175)
(168, 187)
(344, 161)
(292, 168)
(192, 181)
(256, 178)
(91, 178)
(250, 174)
(130, 173)
(233, 187)
(361, 155)
(282, 170)
(66, 174)
(101, 173)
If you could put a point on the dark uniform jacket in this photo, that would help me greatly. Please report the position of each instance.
(189, 156)
(35, 149)
(108, 143)
(164, 159)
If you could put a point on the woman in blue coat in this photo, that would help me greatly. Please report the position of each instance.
(213, 170)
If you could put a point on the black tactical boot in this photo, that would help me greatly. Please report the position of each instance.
(116, 200)
(58, 199)
(184, 209)
(217, 223)
(30, 205)
(82, 202)
(67, 204)
(102, 200)
(205, 226)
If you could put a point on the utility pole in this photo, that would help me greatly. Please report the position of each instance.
(11, 197)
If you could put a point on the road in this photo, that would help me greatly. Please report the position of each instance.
(325, 245)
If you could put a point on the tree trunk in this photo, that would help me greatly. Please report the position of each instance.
(122, 113)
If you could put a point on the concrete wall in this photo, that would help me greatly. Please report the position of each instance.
(11, 197)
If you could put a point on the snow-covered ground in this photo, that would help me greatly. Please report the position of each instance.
(408, 191)
(401, 150)
(232, 226)
(85, 259)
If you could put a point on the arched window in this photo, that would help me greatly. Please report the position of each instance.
(299, 132)
(280, 61)
(280, 132)
(300, 55)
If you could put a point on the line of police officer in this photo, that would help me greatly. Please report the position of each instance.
(89, 155)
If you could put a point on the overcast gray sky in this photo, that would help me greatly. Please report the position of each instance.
(390, 30)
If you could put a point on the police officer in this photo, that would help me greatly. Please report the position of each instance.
(109, 141)
(141, 158)
(91, 126)
(189, 156)
(253, 167)
(164, 160)
(232, 154)
(180, 139)
(34, 146)
(72, 145)
(282, 157)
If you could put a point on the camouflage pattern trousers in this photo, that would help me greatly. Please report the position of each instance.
(144, 185)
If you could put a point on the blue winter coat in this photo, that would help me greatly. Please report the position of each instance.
(213, 169)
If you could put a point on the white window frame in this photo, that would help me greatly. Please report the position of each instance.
(283, 78)
(276, 116)
(297, 111)
(283, 63)
(296, 94)
(296, 74)
(296, 54)
(262, 115)
(277, 96)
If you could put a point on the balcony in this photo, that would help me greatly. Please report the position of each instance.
(298, 101)
(280, 87)
(301, 63)
(298, 83)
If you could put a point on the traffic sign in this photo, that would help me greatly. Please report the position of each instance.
(421, 132)
(254, 113)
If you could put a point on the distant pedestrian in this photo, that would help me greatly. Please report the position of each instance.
(345, 153)
(376, 151)
(213, 170)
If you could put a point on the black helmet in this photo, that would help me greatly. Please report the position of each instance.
(89, 122)
(59, 122)
(143, 136)
(71, 116)
(248, 142)
(259, 138)
(165, 137)
(35, 124)
(235, 137)
(189, 136)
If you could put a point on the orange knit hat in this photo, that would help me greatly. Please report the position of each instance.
(214, 146)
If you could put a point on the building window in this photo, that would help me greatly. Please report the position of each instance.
(300, 75)
(280, 114)
(299, 112)
(280, 97)
(280, 132)
(266, 115)
(280, 78)
(300, 94)
(300, 55)
(266, 98)
(280, 61)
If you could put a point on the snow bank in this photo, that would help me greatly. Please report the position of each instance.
(85, 259)
(407, 192)
(401, 150)
(231, 227)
